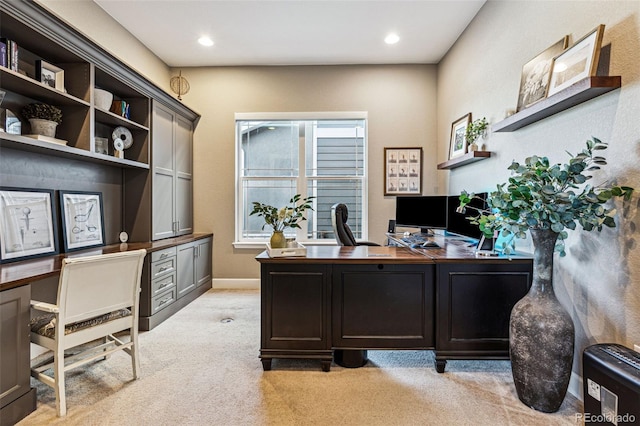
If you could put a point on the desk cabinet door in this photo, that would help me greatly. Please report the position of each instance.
(295, 307)
(474, 303)
(383, 306)
(14, 347)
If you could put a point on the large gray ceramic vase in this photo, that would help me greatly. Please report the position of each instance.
(541, 335)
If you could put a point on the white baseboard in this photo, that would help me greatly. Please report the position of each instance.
(236, 283)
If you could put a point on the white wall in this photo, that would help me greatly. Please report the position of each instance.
(599, 280)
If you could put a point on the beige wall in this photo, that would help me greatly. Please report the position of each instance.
(88, 18)
(400, 101)
(599, 280)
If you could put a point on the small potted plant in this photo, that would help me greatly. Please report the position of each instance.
(43, 118)
(475, 130)
(285, 217)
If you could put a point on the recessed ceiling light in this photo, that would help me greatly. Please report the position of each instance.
(392, 38)
(205, 41)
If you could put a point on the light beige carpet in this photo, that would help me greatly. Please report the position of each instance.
(200, 369)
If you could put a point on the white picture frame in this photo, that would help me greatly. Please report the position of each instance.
(577, 62)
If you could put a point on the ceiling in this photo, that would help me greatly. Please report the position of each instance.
(294, 32)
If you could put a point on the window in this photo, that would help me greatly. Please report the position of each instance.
(321, 155)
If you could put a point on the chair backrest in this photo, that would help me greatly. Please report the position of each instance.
(339, 215)
(94, 285)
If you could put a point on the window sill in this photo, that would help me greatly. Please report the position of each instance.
(262, 245)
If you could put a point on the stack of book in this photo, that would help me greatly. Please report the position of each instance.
(8, 54)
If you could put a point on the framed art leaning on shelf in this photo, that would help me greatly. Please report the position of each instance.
(82, 219)
(403, 171)
(577, 62)
(27, 224)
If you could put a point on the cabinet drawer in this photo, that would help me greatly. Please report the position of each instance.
(163, 254)
(164, 267)
(163, 300)
(160, 285)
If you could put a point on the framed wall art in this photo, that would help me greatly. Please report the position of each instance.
(50, 75)
(27, 224)
(536, 74)
(458, 139)
(82, 219)
(577, 62)
(403, 171)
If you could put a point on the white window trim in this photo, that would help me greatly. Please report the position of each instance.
(265, 116)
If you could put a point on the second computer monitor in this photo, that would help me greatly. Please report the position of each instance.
(457, 223)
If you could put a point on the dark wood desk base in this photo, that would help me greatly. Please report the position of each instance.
(338, 302)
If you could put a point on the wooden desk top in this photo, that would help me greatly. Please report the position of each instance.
(450, 250)
(23, 272)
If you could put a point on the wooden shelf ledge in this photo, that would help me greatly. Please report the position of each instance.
(582, 91)
(469, 157)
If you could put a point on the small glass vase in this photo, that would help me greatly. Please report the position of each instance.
(278, 240)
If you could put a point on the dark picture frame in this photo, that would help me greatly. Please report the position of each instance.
(50, 75)
(458, 139)
(536, 73)
(577, 62)
(82, 220)
(28, 224)
(403, 171)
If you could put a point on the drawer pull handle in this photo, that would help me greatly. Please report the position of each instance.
(165, 284)
(164, 255)
(164, 268)
(163, 301)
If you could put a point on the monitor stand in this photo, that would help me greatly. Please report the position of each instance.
(426, 232)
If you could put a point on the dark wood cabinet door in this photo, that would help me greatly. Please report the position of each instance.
(474, 303)
(383, 306)
(295, 312)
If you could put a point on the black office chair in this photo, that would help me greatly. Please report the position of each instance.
(344, 236)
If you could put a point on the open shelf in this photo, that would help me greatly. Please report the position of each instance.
(24, 143)
(469, 157)
(582, 91)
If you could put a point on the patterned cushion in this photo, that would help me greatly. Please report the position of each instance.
(45, 325)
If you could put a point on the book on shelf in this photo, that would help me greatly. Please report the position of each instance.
(3, 53)
(10, 58)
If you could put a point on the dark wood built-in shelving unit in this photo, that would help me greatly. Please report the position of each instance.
(581, 91)
(469, 157)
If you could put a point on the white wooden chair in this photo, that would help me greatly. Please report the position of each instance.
(98, 296)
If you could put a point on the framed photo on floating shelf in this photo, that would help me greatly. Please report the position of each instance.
(577, 62)
(458, 139)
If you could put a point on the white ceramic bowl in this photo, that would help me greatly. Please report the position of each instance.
(103, 99)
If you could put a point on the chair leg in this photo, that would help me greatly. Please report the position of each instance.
(58, 375)
(135, 360)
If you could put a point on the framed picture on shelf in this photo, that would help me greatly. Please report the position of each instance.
(458, 139)
(27, 224)
(577, 62)
(403, 171)
(50, 75)
(536, 74)
(82, 219)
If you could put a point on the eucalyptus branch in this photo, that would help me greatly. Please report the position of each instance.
(539, 195)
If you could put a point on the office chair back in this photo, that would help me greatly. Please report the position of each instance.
(342, 231)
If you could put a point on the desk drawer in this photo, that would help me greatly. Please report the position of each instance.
(162, 268)
(163, 300)
(163, 254)
(163, 283)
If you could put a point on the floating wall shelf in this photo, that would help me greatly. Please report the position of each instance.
(469, 157)
(573, 95)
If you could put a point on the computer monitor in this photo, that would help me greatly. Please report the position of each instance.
(457, 223)
(424, 212)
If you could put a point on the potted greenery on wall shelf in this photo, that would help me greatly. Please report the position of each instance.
(43, 118)
(546, 199)
(475, 130)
